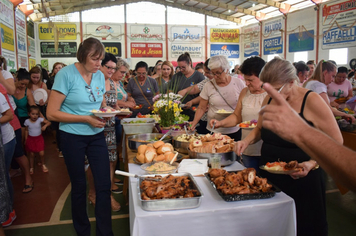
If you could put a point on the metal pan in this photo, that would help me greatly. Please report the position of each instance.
(133, 145)
(227, 158)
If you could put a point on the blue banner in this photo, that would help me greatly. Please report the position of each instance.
(229, 50)
(338, 37)
(272, 46)
(251, 49)
(300, 42)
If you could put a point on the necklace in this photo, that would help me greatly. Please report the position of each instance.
(142, 82)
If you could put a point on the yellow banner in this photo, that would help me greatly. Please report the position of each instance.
(224, 35)
(66, 31)
(7, 38)
(32, 63)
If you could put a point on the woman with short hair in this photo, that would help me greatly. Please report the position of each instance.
(340, 90)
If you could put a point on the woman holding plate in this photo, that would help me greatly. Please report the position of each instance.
(38, 88)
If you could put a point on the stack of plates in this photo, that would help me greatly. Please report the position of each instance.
(193, 166)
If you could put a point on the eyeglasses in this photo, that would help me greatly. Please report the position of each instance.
(110, 68)
(217, 73)
(141, 74)
(91, 95)
(123, 72)
(280, 90)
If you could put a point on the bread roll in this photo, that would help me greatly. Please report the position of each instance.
(140, 157)
(150, 145)
(150, 154)
(169, 156)
(160, 158)
(141, 149)
(158, 144)
(167, 147)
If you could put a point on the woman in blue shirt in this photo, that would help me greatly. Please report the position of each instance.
(78, 89)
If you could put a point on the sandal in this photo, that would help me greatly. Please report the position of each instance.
(44, 168)
(27, 188)
(31, 171)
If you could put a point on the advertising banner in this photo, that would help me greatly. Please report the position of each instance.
(224, 35)
(11, 59)
(299, 42)
(32, 63)
(113, 48)
(7, 38)
(66, 31)
(146, 50)
(251, 49)
(251, 33)
(7, 13)
(22, 61)
(273, 28)
(194, 49)
(186, 33)
(272, 46)
(31, 47)
(105, 31)
(339, 11)
(146, 33)
(65, 49)
(20, 22)
(338, 38)
(229, 50)
(21, 44)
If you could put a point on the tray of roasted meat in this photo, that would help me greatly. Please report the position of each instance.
(240, 185)
(171, 192)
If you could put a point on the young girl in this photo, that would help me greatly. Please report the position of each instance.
(34, 141)
(36, 82)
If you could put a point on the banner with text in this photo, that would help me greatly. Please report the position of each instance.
(273, 28)
(272, 46)
(146, 33)
(338, 38)
(20, 21)
(7, 13)
(146, 50)
(22, 61)
(11, 59)
(229, 50)
(106, 31)
(340, 11)
(113, 48)
(251, 49)
(31, 47)
(179, 33)
(194, 49)
(32, 63)
(66, 31)
(7, 38)
(299, 42)
(65, 49)
(224, 35)
(251, 33)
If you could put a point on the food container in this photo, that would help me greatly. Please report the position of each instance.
(241, 197)
(134, 142)
(179, 146)
(171, 204)
(158, 172)
(138, 128)
(227, 158)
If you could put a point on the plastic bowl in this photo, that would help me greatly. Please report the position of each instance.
(157, 171)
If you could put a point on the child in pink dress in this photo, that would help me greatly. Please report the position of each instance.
(34, 142)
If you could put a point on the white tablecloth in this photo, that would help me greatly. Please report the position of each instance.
(274, 216)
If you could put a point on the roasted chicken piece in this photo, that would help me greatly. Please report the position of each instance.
(291, 165)
(213, 173)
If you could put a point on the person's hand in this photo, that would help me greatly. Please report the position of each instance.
(96, 122)
(352, 117)
(217, 123)
(334, 104)
(192, 125)
(280, 118)
(41, 102)
(240, 147)
(188, 105)
(182, 93)
(43, 128)
(130, 104)
(304, 169)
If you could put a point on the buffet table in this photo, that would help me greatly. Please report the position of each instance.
(274, 216)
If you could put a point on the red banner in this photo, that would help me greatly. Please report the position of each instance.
(338, 8)
(146, 50)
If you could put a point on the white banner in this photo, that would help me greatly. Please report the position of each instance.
(251, 33)
(146, 33)
(23, 61)
(7, 13)
(108, 31)
(273, 28)
(10, 58)
(194, 49)
(20, 22)
(187, 34)
(31, 47)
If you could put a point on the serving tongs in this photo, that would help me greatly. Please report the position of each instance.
(124, 173)
(166, 134)
(212, 130)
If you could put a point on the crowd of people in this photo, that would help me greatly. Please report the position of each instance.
(100, 80)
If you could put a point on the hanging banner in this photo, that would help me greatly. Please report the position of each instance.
(299, 42)
(186, 33)
(7, 13)
(272, 46)
(21, 44)
(66, 31)
(273, 28)
(229, 50)
(338, 38)
(20, 22)
(251, 49)
(251, 33)
(105, 31)
(146, 50)
(11, 59)
(32, 63)
(7, 38)
(31, 47)
(65, 49)
(339, 11)
(22, 61)
(113, 48)
(194, 49)
(224, 35)
(146, 33)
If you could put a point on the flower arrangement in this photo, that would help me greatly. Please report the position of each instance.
(167, 106)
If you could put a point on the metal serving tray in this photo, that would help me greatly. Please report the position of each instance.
(241, 197)
(171, 204)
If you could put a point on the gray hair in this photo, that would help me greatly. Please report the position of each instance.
(122, 62)
(218, 61)
(278, 71)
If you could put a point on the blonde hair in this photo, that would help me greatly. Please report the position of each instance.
(165, 63)
(320, 68)
(278, 71)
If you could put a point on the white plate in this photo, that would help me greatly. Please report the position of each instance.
(225, 113)
(106, 114)
(125, 113)
(250, 127)
(39, 94)
(279, 172)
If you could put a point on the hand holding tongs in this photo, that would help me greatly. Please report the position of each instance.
(119, 172)
(212, 130)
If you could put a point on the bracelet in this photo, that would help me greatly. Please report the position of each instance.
(316, 165)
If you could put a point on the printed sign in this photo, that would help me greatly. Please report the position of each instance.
(300, 42)
(230, 51)
(44, 63)
(66, 31)
(21, 44)
(146, 33)
(105, 31)
(7, 38)
(272, 46)
(65, 49)
(20, 21)
(273, 28)
(11, 59)
(113, 48)
(224, 35)
(251, 33)
(186, 33)
(31, 47)
(22, 61)
(340, 12)
(32, 63)
(7, 13)
(194, 49)
(146, 50)
(337, 38)
(251, 49)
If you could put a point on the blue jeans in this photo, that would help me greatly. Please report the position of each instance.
(74, 149)
(251, 161)
(9, 149)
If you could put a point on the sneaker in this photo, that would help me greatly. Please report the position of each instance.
(60, 154)
(116, 191)
(12, 217)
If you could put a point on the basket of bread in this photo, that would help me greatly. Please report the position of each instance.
(211, 144)
(157, 151)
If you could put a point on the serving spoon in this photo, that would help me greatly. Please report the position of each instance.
(124, 173)
(165, 135)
